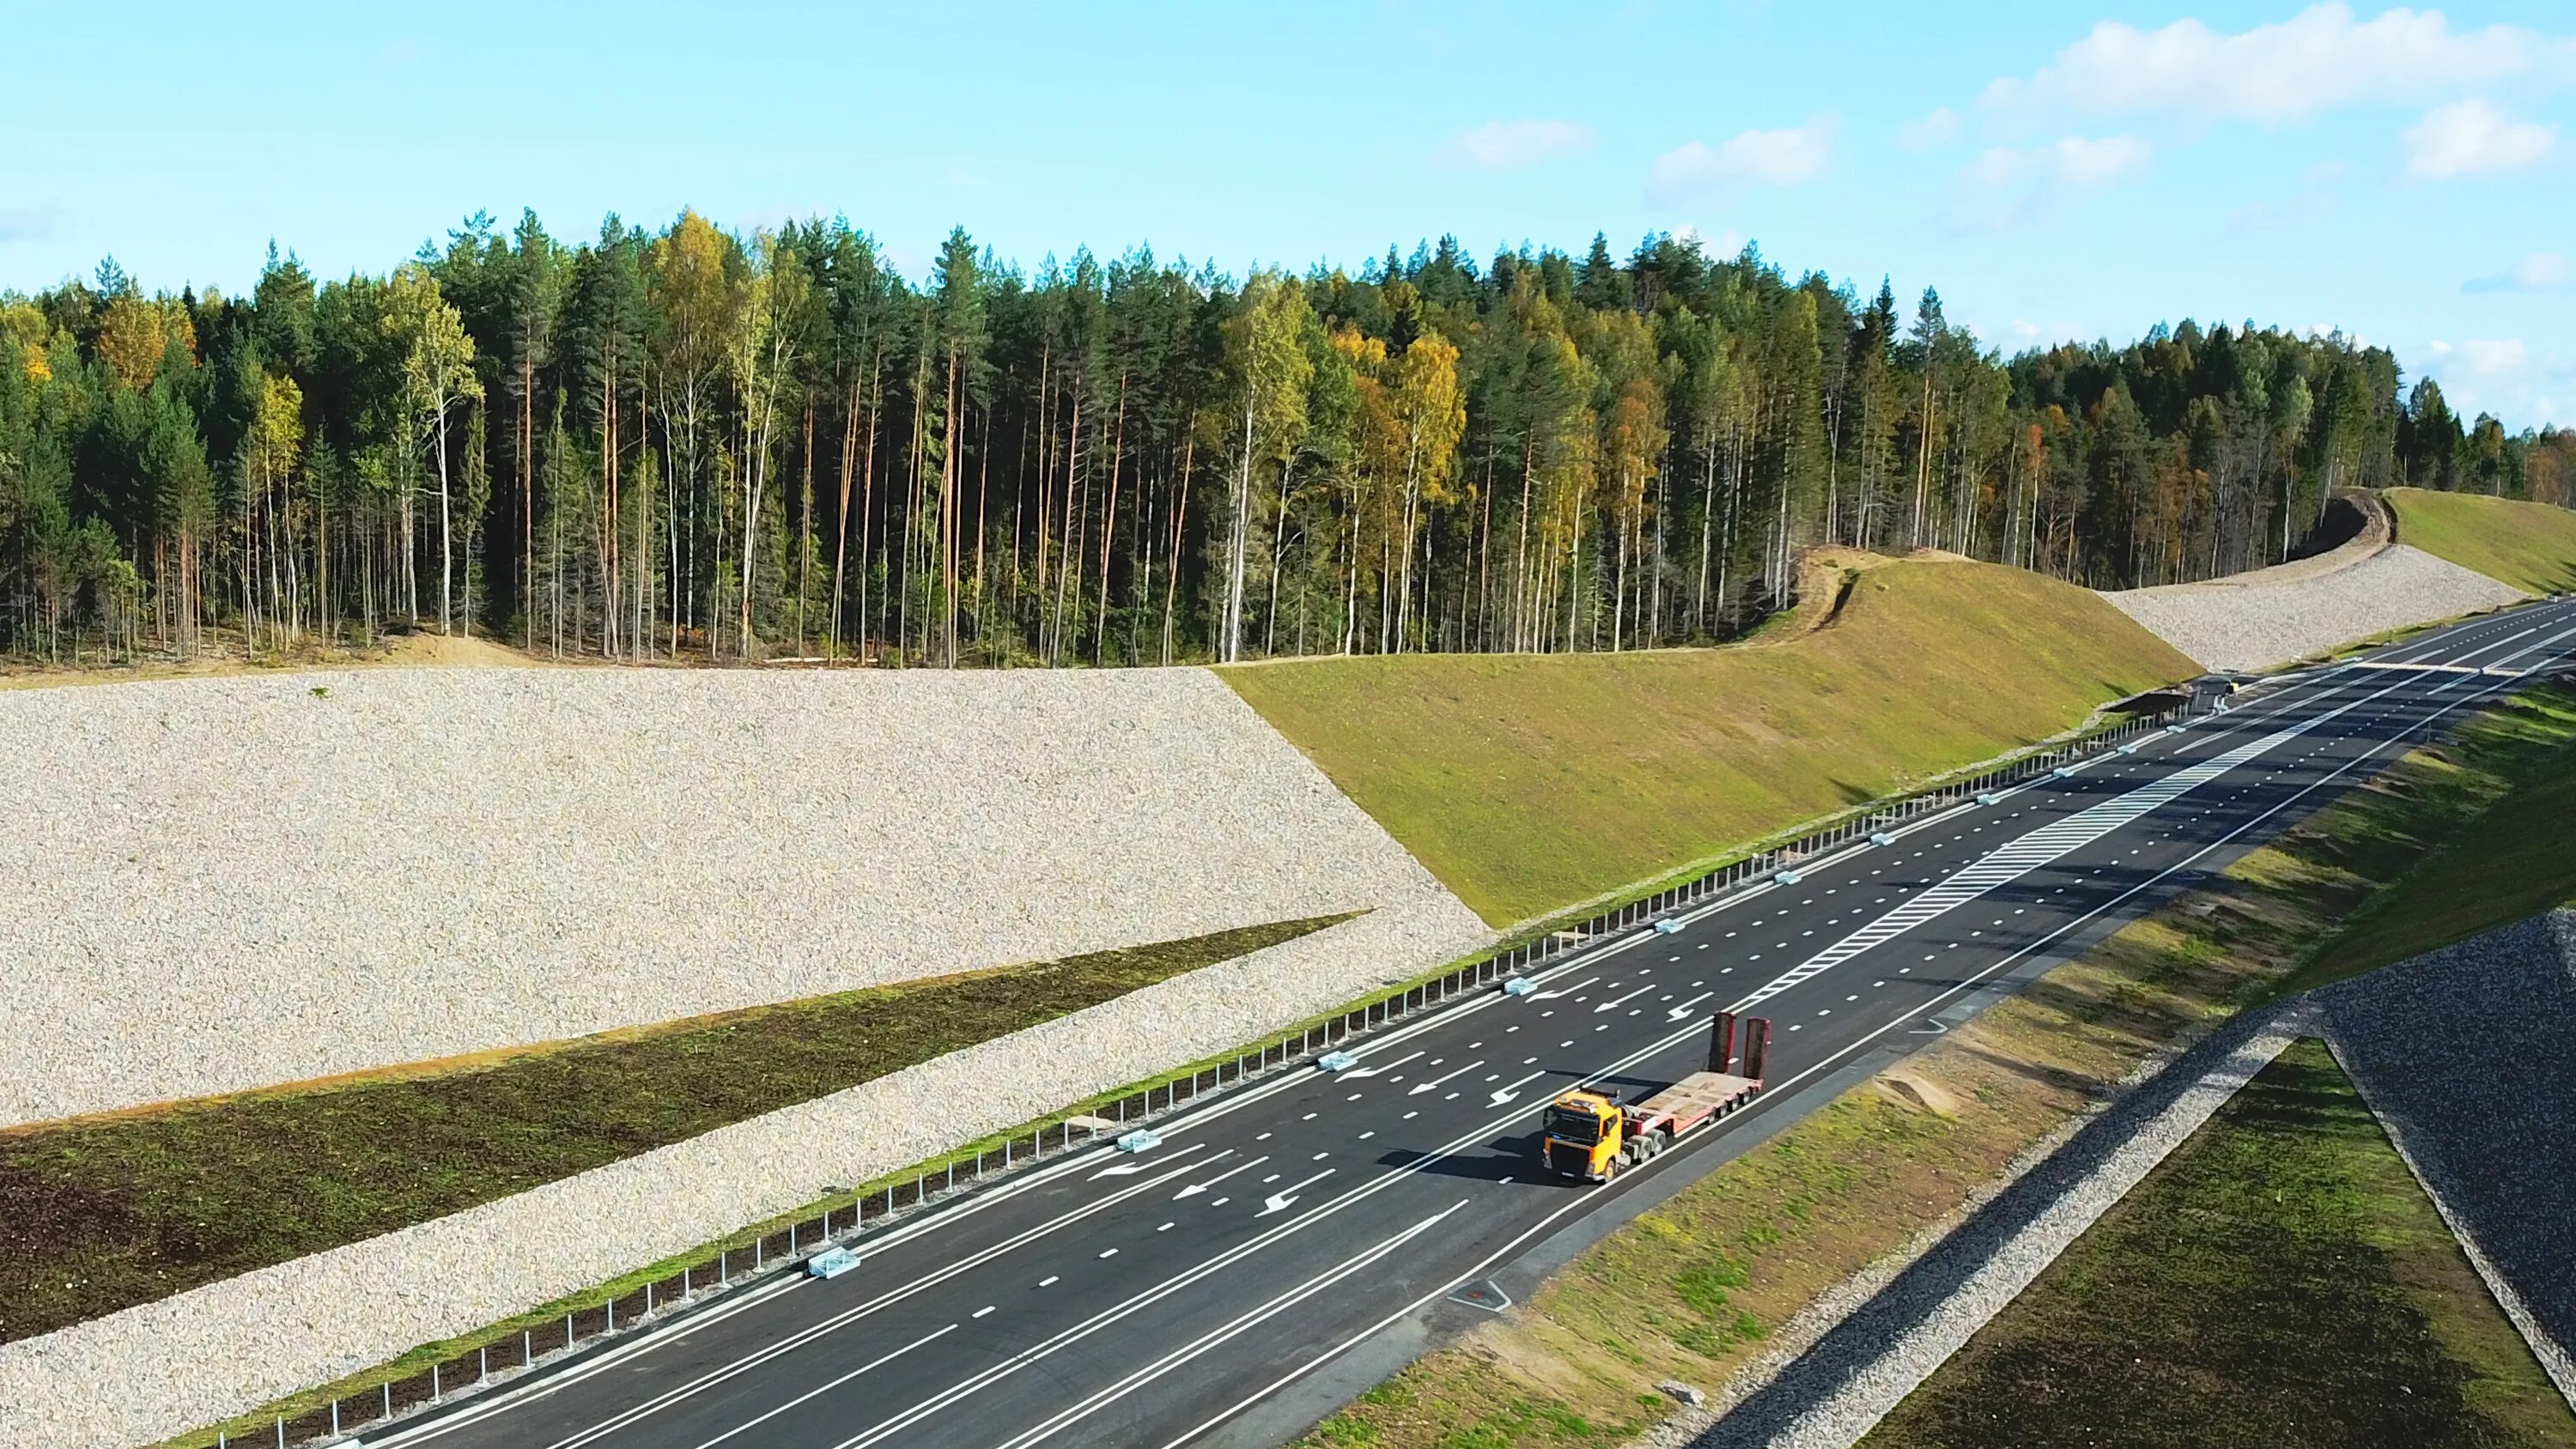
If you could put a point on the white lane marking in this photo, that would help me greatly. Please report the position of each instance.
(1514, 1090)
(1418, 1088)
(1357, 1072)
(2048, 844)
(1049, 1280)
(790, 1342)
(1563, 990)
(980, 1312)
(1194, 1189)
(1580, 1203)
(1286, 1197)
(1624, 1000)
(834, 1384)
(1084, 1408)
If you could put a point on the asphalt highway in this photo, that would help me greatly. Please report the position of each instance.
(1208, 1291)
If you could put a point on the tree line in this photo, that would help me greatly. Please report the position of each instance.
(695, 443)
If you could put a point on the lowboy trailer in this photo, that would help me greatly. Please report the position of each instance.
(1592, 1135)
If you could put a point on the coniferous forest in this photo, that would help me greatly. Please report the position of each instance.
(690, 443)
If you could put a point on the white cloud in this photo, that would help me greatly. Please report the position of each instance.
(2079, 161)
(2498, 358)
(2471, 136)
(2536, 272)
(1940, 126)
(2503, 376)
(1781, 158)
(1509, 145)
(2319, 58)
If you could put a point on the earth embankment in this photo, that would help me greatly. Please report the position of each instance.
(1530, 782)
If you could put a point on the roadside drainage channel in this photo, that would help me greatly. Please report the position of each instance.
(457, 1381)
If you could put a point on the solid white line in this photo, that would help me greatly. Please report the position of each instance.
(1581, 1201)
(1046, 1429)
(798, 1339)
(877, 1362)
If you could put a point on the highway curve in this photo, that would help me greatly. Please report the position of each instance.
(1293, 1239)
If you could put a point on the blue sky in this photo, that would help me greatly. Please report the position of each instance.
(2401, 174)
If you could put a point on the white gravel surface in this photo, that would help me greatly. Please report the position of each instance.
(148, 1373)
(1908, 1323)
(2278, 615)
(222, 883)
(2468, 1057)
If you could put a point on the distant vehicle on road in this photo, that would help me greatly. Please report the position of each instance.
(1592, 1135)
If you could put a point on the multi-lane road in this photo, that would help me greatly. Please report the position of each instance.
(1294, 1237)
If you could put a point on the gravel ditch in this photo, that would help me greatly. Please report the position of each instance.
(2468, 1057)
(2278, 615)
(148, 1373)
(226, 883)
(1857, 1352)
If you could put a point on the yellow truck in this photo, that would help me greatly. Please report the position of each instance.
(1592, 1135)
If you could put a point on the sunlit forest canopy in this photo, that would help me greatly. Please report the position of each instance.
(698, 443)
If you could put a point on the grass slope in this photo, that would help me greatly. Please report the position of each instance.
(2279, 1280)
(2531, 546)
(107, 1213)
(1530, 782)
(2493, 851)
(1693, 1289)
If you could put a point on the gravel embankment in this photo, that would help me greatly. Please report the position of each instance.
(148, 1373)
(2468, 1056)
(2278, 615)
(1869, 1344)
(224, 883)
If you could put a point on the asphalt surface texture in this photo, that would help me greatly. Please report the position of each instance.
(1292, 1239)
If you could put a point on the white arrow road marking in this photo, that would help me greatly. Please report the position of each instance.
(1194, 1189)
(1678, 1012)
(1624, 1000)
(1373, 1071)
(1514, 1090)
(834, 1384)
(1563, 990)
(1419, 1088)
(1278, 1202)
(1136, 1165)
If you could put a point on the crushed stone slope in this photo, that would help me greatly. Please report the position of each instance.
(226, 883)
(2276, 616)
(2470, 1053)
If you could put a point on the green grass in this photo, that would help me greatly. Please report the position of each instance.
(2491, 848)
(2531, 546)
(1531, 782)
(2279, 1281)
(1690, 1290)
(103, 1214)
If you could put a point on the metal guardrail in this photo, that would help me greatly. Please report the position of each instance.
(782, 1248)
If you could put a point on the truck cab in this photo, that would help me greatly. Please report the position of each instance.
(1583, 1135)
